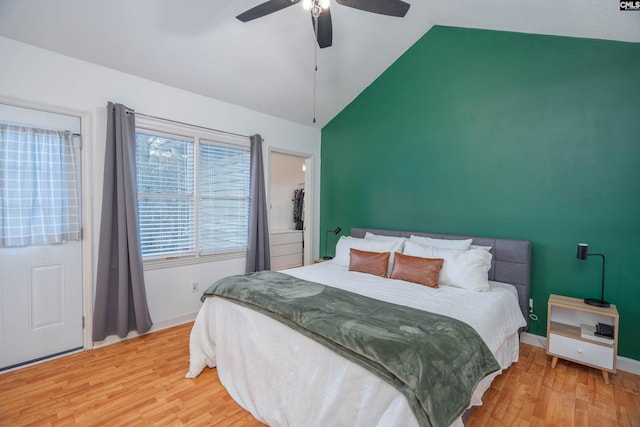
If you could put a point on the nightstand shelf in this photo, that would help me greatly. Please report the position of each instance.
(565, 339)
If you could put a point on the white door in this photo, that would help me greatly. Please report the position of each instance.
(40, 284)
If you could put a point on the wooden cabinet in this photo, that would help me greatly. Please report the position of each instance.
(570, 324)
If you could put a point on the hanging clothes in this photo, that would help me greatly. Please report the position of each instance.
(298, 208)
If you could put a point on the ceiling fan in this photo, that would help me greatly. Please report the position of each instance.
(321, 15)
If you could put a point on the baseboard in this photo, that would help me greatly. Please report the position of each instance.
(622, 363)
(628, 365)
(175, 321)
(158, 326)
(533, 339)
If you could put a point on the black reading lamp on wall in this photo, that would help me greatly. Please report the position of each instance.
(326, 239)
(583, 253)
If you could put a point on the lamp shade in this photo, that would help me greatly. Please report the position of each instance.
(583, 250)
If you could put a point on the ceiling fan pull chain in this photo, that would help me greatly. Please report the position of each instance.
(315, 67)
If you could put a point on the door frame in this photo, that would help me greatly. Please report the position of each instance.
(309, 189)
(87, 211)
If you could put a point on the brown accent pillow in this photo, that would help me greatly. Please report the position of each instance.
(425, 271)
(369, 262)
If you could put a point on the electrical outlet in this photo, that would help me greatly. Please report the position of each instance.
(194, 287)
(530, 305)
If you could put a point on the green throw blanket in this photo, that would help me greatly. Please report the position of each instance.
(434, 360)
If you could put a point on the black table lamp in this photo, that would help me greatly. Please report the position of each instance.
(326, 239)
(583, 253)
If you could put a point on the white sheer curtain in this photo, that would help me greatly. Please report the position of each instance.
(39, 186)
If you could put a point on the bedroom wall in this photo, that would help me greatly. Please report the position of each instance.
(508, 135)
(36, 76)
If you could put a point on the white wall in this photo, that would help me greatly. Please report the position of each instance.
(44, 78)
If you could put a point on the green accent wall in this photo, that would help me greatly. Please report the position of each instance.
(506, 135)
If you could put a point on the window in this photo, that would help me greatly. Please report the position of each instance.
(39, 186)
(224, 197)
(193, 192)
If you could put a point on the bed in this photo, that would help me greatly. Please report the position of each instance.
(286, 378)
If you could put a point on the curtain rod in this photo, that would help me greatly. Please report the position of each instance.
(129, 111)
(79, 135)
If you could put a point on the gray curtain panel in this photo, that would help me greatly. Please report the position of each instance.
(258, 256)
(121, 299)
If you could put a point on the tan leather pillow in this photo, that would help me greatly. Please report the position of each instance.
(369, 262)
(425, 271)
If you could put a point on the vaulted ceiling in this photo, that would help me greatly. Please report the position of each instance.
(267, 64)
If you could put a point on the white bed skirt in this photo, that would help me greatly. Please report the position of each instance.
(286, 379)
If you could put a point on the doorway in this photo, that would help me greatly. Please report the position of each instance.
(41, 267)
(290, 196)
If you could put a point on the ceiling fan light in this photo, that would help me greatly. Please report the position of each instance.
(306, 4)
(324, 4)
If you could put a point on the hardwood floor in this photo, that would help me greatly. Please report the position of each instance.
(531, 393)
(134, 383)
(141, 382)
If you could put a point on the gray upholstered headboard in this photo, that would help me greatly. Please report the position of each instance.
(511, 259)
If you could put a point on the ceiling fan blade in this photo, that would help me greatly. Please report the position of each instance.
(325, 29)
(265, 9)
(383, 7)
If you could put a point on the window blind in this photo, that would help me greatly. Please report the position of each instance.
(224, 197)
(193, 195)
(165, 175)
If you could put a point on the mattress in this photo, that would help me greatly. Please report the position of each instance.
(286, 379)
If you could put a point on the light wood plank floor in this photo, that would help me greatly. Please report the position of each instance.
(141, 382)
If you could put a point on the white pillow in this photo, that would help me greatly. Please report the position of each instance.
(442, 243)
(345, 243)
(463, 269)
(371, 236)
(399, 240)
(484, 248)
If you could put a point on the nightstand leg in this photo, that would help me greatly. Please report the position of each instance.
(605, 377)
(554, 361)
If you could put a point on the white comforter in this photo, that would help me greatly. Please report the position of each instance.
(286, 379)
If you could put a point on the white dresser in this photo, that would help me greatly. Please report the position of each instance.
(286, 249)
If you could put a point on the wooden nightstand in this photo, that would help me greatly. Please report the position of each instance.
(565, 339)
